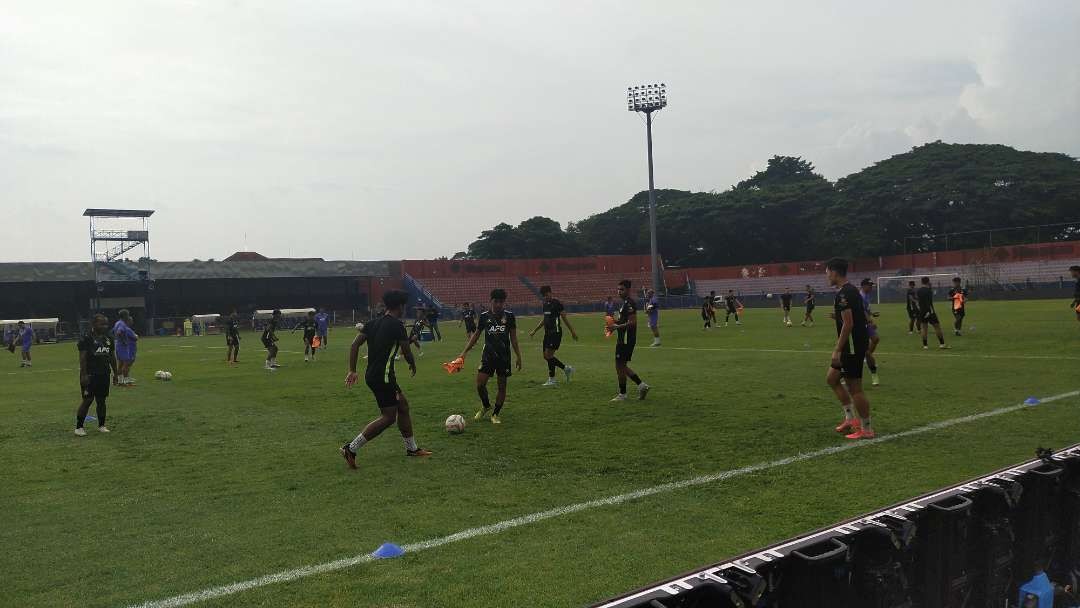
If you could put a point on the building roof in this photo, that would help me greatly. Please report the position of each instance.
(118, 212)
(83, 271)
(246, 256)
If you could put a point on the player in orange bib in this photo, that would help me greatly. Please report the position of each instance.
(958, 295)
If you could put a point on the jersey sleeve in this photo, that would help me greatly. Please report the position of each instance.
(85, 344)
(399, 332)
(843, 301)
(511, 321)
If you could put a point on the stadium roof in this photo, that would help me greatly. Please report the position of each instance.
(84, 271)
(118, 212)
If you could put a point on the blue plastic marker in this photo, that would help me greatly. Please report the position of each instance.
(90, 418)
(1032, 401)
(387, 551)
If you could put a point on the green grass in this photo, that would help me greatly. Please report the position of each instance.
(226, 474)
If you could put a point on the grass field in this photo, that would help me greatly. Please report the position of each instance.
(228, 474)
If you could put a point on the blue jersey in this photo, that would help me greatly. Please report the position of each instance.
(866, 304)
(322, 321)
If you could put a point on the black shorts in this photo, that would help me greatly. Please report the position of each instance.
(787, 308)
(913, 314)
(809, 308)
(732, 310)
(851, 365)
(232, 340)
(624, 353)
(552, 341)
(97, 388)
(268, 343)
(309, 339)
(495, 366)
(704, 315)
(932, 319)
(958, 313)
(470, 327)
(387, 394)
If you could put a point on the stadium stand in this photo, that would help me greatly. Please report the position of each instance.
(452, 291)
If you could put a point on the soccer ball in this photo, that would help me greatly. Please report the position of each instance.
(160, 375)
(455, 424)
(768, 295)
(166, 376)
(359, 326)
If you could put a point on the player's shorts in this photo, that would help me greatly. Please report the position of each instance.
(470, 327)
(552, 341)
(732, 310)
(267, 342)
(322, 333)
(624, 353)
(810, 308)
(308, 339)
(932, 319)
(913, 314)
(97, 387)
(851, 365)
(387, 394)
(495, 366)
(787, 308)
(705, 315)
(871, 330)
(232, 340)
(958, 313)
(25, 348)
(654, 321)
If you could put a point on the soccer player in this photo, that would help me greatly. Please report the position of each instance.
(609, 307)
(732, 303)
(809, 302)
(468, 317)
(1075, 272)
(626, 326)
(232, 338)
(554, 318)
(269, 339)
(712, 307)
(852, 341)
(958, 295)
(433, 323)
(785, 305)
(125, 340)
(385, 337)
(866, 287)
(652, 309)
(499, 327)
(417, 331)
(309, 327)
(927, 316)
(24, 335)
(912, 309)
(97, 358)
(706, 310)
(322, 327)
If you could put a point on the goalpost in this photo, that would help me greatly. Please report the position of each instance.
(909, 277)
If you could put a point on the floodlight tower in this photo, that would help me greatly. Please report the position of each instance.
(127, 229)
(647, 99)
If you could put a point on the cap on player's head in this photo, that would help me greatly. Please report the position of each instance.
(394, 299)
(545, 290)
(124, 314)
(837, 265)
(925, 280)
(498, 295)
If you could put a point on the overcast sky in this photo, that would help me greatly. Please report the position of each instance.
(388, 130)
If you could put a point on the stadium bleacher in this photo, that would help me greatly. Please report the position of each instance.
(452, 291)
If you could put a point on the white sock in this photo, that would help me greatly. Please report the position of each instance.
(849, 412)
(410, 443)
(865, 422)
(357, 443)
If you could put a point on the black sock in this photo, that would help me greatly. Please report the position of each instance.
(924, 341)
(482, 390)
(551, 368)
(498, 408)
(558, 364)
(873, 368)
(941, 339)
(80, 420)
(635, 378)
(101, 413)
(622, 386)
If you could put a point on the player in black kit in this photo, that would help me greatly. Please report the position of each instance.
(553, 321)
(852, 342)
(732, 305)
(468, 317)
(785, 305)
(232, 338)
(626, 326)
(1075, 272)
(912, 309)
(958, 295)
(810, 302)
(499, 327)
(927, 315)
(269, 339)
(97, 358)
(308, 326)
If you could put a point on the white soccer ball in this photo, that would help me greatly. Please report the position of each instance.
(167, 376)
(359, 326)
(768, 295)
(160, 375)
(455, 424)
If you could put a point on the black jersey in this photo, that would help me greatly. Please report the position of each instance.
(469, 317)
(1076, 291)
(707, 304)
(849, 298)
(497, 330)
(785, 299)
(232, 328)
(384, 337)
(730, 302)
(627, 335)
(553, 310)
(99, 353)
(308, 326)
(417, 328)
(912, 300)
(810, 300)
(270, 331)
(925, 300)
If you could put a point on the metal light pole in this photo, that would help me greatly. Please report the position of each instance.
(647, 99)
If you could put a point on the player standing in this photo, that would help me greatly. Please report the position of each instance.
(626, 326)
(652, 309)
(866, 287)
(912, 309)
(385, 337)
(269, 339)
(706, 310)
(125, 340)
(468, 317)
(322, 328)
(97, 358)
(552, 322)
(1075, 272)
(733, 304)
(232, 338)
(308, 325)
(927, 315)
(499, 327)
(417, 331)
(846, 367)
(958, 295)
(24, 335)
(785, 305)
(810, 301)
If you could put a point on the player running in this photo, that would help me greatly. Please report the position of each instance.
(785, 305)
(912, 309)
(310, 328)
(232, 339)
(652, 309)
(269, 340)
(322, 328)
(733, 305)
(499, 327)
(810, 301)
(626, 326)
(385, 337)
(958, 295)
(1075, 272)
(707, 312)
(24, 335)
(97, 358)
(927, 315)
(866, 287)
(126, 341)
(417, 331)
(554, 318)
(847, 358)
(468, 317)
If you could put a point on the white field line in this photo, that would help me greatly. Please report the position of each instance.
(937, 352)
(532, 518)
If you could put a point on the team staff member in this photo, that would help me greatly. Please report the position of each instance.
(322, 327)
(852, 340)
(386, 338)
(552, 322)
(24, 335)
(97, 359)
(499, 327)
(626, 326)
(958, 295)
